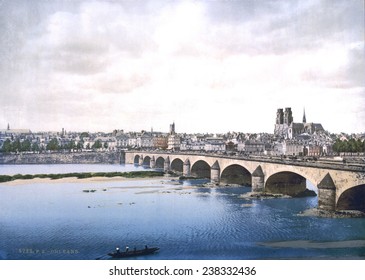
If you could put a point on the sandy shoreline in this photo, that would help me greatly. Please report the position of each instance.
(76, 180)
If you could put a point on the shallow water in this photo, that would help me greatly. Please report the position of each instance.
(61, 221)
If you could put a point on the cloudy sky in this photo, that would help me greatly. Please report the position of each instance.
(210, 66)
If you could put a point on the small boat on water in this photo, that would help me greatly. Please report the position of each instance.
(117, 254)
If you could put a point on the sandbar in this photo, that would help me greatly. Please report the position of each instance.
(76, 180)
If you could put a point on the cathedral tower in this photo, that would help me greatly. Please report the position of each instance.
(280, 116)
(172, 128)
(288, 116)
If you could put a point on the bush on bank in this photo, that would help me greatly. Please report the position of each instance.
(132, 174)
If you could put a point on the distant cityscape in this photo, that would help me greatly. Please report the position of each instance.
(290, 138)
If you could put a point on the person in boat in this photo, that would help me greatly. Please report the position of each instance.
(117, 249)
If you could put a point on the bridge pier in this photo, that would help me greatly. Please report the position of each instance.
(327, 194)
(153, 162)
(186, 168)
(166, 165)
(122, 157)
(140, 162)
(215, 171)
(258, 180)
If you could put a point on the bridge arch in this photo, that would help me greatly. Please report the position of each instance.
(136, 159)
(177, 165)
(352, 199)
(160, 161)
(286, 182)
(236, 174)
(201, 169)
(146, 161)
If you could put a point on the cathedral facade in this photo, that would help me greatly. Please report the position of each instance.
(286, 128)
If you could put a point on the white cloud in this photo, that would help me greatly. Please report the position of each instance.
(210, 66)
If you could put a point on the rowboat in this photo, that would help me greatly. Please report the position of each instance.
(117, 254)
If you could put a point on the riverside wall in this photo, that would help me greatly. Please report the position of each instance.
(63, 158)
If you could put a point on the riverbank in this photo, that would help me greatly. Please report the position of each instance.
(110, 157)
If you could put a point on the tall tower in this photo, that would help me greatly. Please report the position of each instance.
(304, 118)
(172, 128)
(288, 116)
(279, 116)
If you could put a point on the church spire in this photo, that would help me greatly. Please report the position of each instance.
(304, 118)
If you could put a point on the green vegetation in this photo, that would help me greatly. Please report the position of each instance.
(97, 145)
(53, 145)
(15, 146)
(6, 178)
(142, 174)
(350, 146)
(132, 174)
(84, 135)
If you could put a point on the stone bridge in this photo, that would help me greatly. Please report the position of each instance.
(340, 187)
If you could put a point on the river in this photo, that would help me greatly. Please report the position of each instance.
(60, 220)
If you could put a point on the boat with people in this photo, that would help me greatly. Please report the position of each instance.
(118, 254)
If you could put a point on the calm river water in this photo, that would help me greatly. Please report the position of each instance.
(61, 221)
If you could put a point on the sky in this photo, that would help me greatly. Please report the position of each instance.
(209, 66)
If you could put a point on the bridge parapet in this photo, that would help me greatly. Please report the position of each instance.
(333, 165)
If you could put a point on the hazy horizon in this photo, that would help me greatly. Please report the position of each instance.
(158, 131)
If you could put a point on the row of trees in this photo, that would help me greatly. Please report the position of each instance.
(17, 146)
(53, 145)
(350, 146)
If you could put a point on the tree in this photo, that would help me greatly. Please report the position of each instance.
(343, 146)
(53, 145)
(84, 135)
(25, 146)
(97, 145)
(71, 145)
(35, 147)
(337, 146)
(16, 147)
(7, 146)
(359, 146)
(350, 146)
(80, 145)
